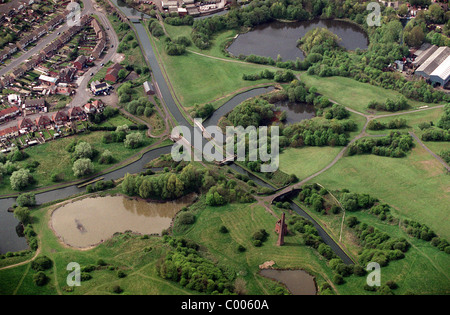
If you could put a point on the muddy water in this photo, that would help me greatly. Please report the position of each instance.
(298, 282)
(90, 221)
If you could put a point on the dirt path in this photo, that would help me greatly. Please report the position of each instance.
(437, 157)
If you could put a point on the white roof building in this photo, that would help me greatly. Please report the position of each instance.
(435, 64)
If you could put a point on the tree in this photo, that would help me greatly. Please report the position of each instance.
(22, 214)
(26, 200)
(21, 179)
(414, 37)
(122, 74)
(83, 167)
(133, 140)
(83, 150)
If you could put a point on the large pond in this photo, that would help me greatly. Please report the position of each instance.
(90, 221)
(298, 282)
(296, 112)
(280, 38)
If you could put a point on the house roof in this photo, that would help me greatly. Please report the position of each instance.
(24, 122)
(35, 102)
(47, 78)
(8, 111)
(75, 111)
(59, 115)
(434, 60)
(42, 120)
(8, 130)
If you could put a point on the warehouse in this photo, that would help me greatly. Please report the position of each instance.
(433, 64)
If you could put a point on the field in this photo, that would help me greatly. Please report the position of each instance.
(416, 186)
(200, 79)
(354, 94)
(306, 161)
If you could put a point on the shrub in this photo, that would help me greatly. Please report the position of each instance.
(186, 218)
(117, 289)
(40, 278)
(41, 263)
(121, 274)
(241, 248)
(223, 229)
(26, 200)
(338, 279)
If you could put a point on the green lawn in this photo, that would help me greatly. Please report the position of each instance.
(352, 93)
(416, 186)
(306, 161)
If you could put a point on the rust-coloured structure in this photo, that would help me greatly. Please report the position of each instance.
(281, 229)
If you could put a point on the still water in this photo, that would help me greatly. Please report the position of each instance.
(90, 221)
(280, 38)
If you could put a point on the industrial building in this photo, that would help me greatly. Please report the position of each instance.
(433, 63)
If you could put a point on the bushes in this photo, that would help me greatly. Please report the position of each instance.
(397, 123)
(390, 105)
(395, 145)
(40, 278)
(186, 218)
(41, 263)
(183, 264)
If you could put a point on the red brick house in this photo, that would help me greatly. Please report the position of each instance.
(25, 124)
(43, 122)
(9, 113)
(80, 62)
(112, 74)
(76, 113)
(60, 117)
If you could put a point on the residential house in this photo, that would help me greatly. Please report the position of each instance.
(89, 108)
(66, 75)
(112, 74)
(18, 72)
(25, 124)
(43, 122)
(35, 105)
(60, 117)
(98, 49)
(98, 105)
(9, 132)
(9, 112)
(80, 62)
(76, 113)
(98, 88)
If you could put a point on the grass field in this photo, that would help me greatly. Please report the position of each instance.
(306, 161)
(416, 186)
(200, 79)
(354, 94)
(424, 270)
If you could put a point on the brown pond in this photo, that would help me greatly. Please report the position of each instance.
(298, 282)
(90, 221)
